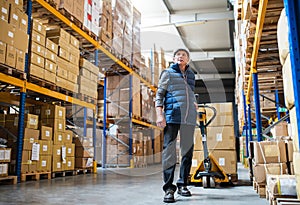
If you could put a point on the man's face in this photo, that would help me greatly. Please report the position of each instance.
(181, 57)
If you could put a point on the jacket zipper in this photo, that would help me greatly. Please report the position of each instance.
(187, 99)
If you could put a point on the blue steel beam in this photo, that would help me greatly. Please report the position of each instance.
(245, 123)
(257, 107)
(249, 123)
(292, 8)
(104, 126)
(277, 104)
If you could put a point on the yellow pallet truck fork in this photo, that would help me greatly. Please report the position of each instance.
(209, 172)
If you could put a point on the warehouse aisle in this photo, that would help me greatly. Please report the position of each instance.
(122, 187)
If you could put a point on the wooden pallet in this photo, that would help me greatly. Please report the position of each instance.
(276, 199)
(260, 189)
(12, 71)
(86, 170)
(63, 173)
(9, 180)
(35, 176)
(287, 201)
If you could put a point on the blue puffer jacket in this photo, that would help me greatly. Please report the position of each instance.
(177, 95)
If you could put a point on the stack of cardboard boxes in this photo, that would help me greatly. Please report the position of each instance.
(220, 139)
(88, 78)
(13, 34)
(84, 151)
(106, 23)
(5, 157)
(67, 60)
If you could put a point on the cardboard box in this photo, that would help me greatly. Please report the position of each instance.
(57, 124)
(2, 52)
(37, 60)
(58, 138)
(61, 72)
(5, 155)
(280, 130)
(4, 10)
(74, 42)
(57, 165)
(44, 164)
(39, 27)
(56, 151)
(14, 16)
(49, 76)
(27, 143)
(59, 32)
(78, 9)
(66, 5)
(269, 152)
(7, 33)
(20, 60)
(53, 112)
(217, 138)
(50, 56)
(4, 170)
(16, 3)
(38, 38)
(31, 121)
(72, 77)
(50, 66)
(31, 134)
(90, 66)
(10, 59)
(45, 147)
(84, 152)
(83, 162)
(37, 48)
(46, 133)
(260, 171)
(50, 45)
(21, 40)
(68, 137)
(70, 150)
(70, 163)
(23, 23)
(36, 71)
(32, 168)
(84, 141)
(225, 158)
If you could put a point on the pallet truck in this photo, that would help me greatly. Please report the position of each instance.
(209, 172)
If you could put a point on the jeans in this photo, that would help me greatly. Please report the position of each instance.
(169, 154)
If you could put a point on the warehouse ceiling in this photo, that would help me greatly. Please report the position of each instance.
(206, 29)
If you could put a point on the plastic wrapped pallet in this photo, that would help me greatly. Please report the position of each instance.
(282, 37)
(288, 87)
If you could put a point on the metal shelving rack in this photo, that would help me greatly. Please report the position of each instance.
(110, 60)
(292, 8)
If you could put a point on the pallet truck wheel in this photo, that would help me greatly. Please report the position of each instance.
(212, 182)
(204, 182)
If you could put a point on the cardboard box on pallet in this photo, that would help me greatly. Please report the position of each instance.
(50, 55)
(7, 33)
(37, 71)
(269, 152)
(20, 60)
(38, 38)
(5, 155)
(58, 138)
(83, 162)
(78, 10)
(16, 3)
(21, 40)
(217, 138)
(2, 52)
(4, 10)
(44, 164)
(83, 141)
(68, 137)
(84, 152)
(57, 151)
(23, 22)
(53, 112)
(50, 76)
(57, 164)
(37, 48)
(13, 18)
(225, 158)
(60, 33)
(30, 121)
(70, 150)
(261, 171)
(51, 46)
(45, 147)
(46, 133)
(37, 60)
(10, 59)
(66, 5)
(50, 66)
(3, 170)
(70, 164)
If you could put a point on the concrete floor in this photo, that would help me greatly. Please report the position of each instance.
(138, 186)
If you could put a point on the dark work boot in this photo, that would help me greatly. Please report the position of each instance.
(183, 191)
(169, 196)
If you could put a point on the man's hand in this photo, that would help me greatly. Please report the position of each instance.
(196, 106)
(161, 121)
(160, 118)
